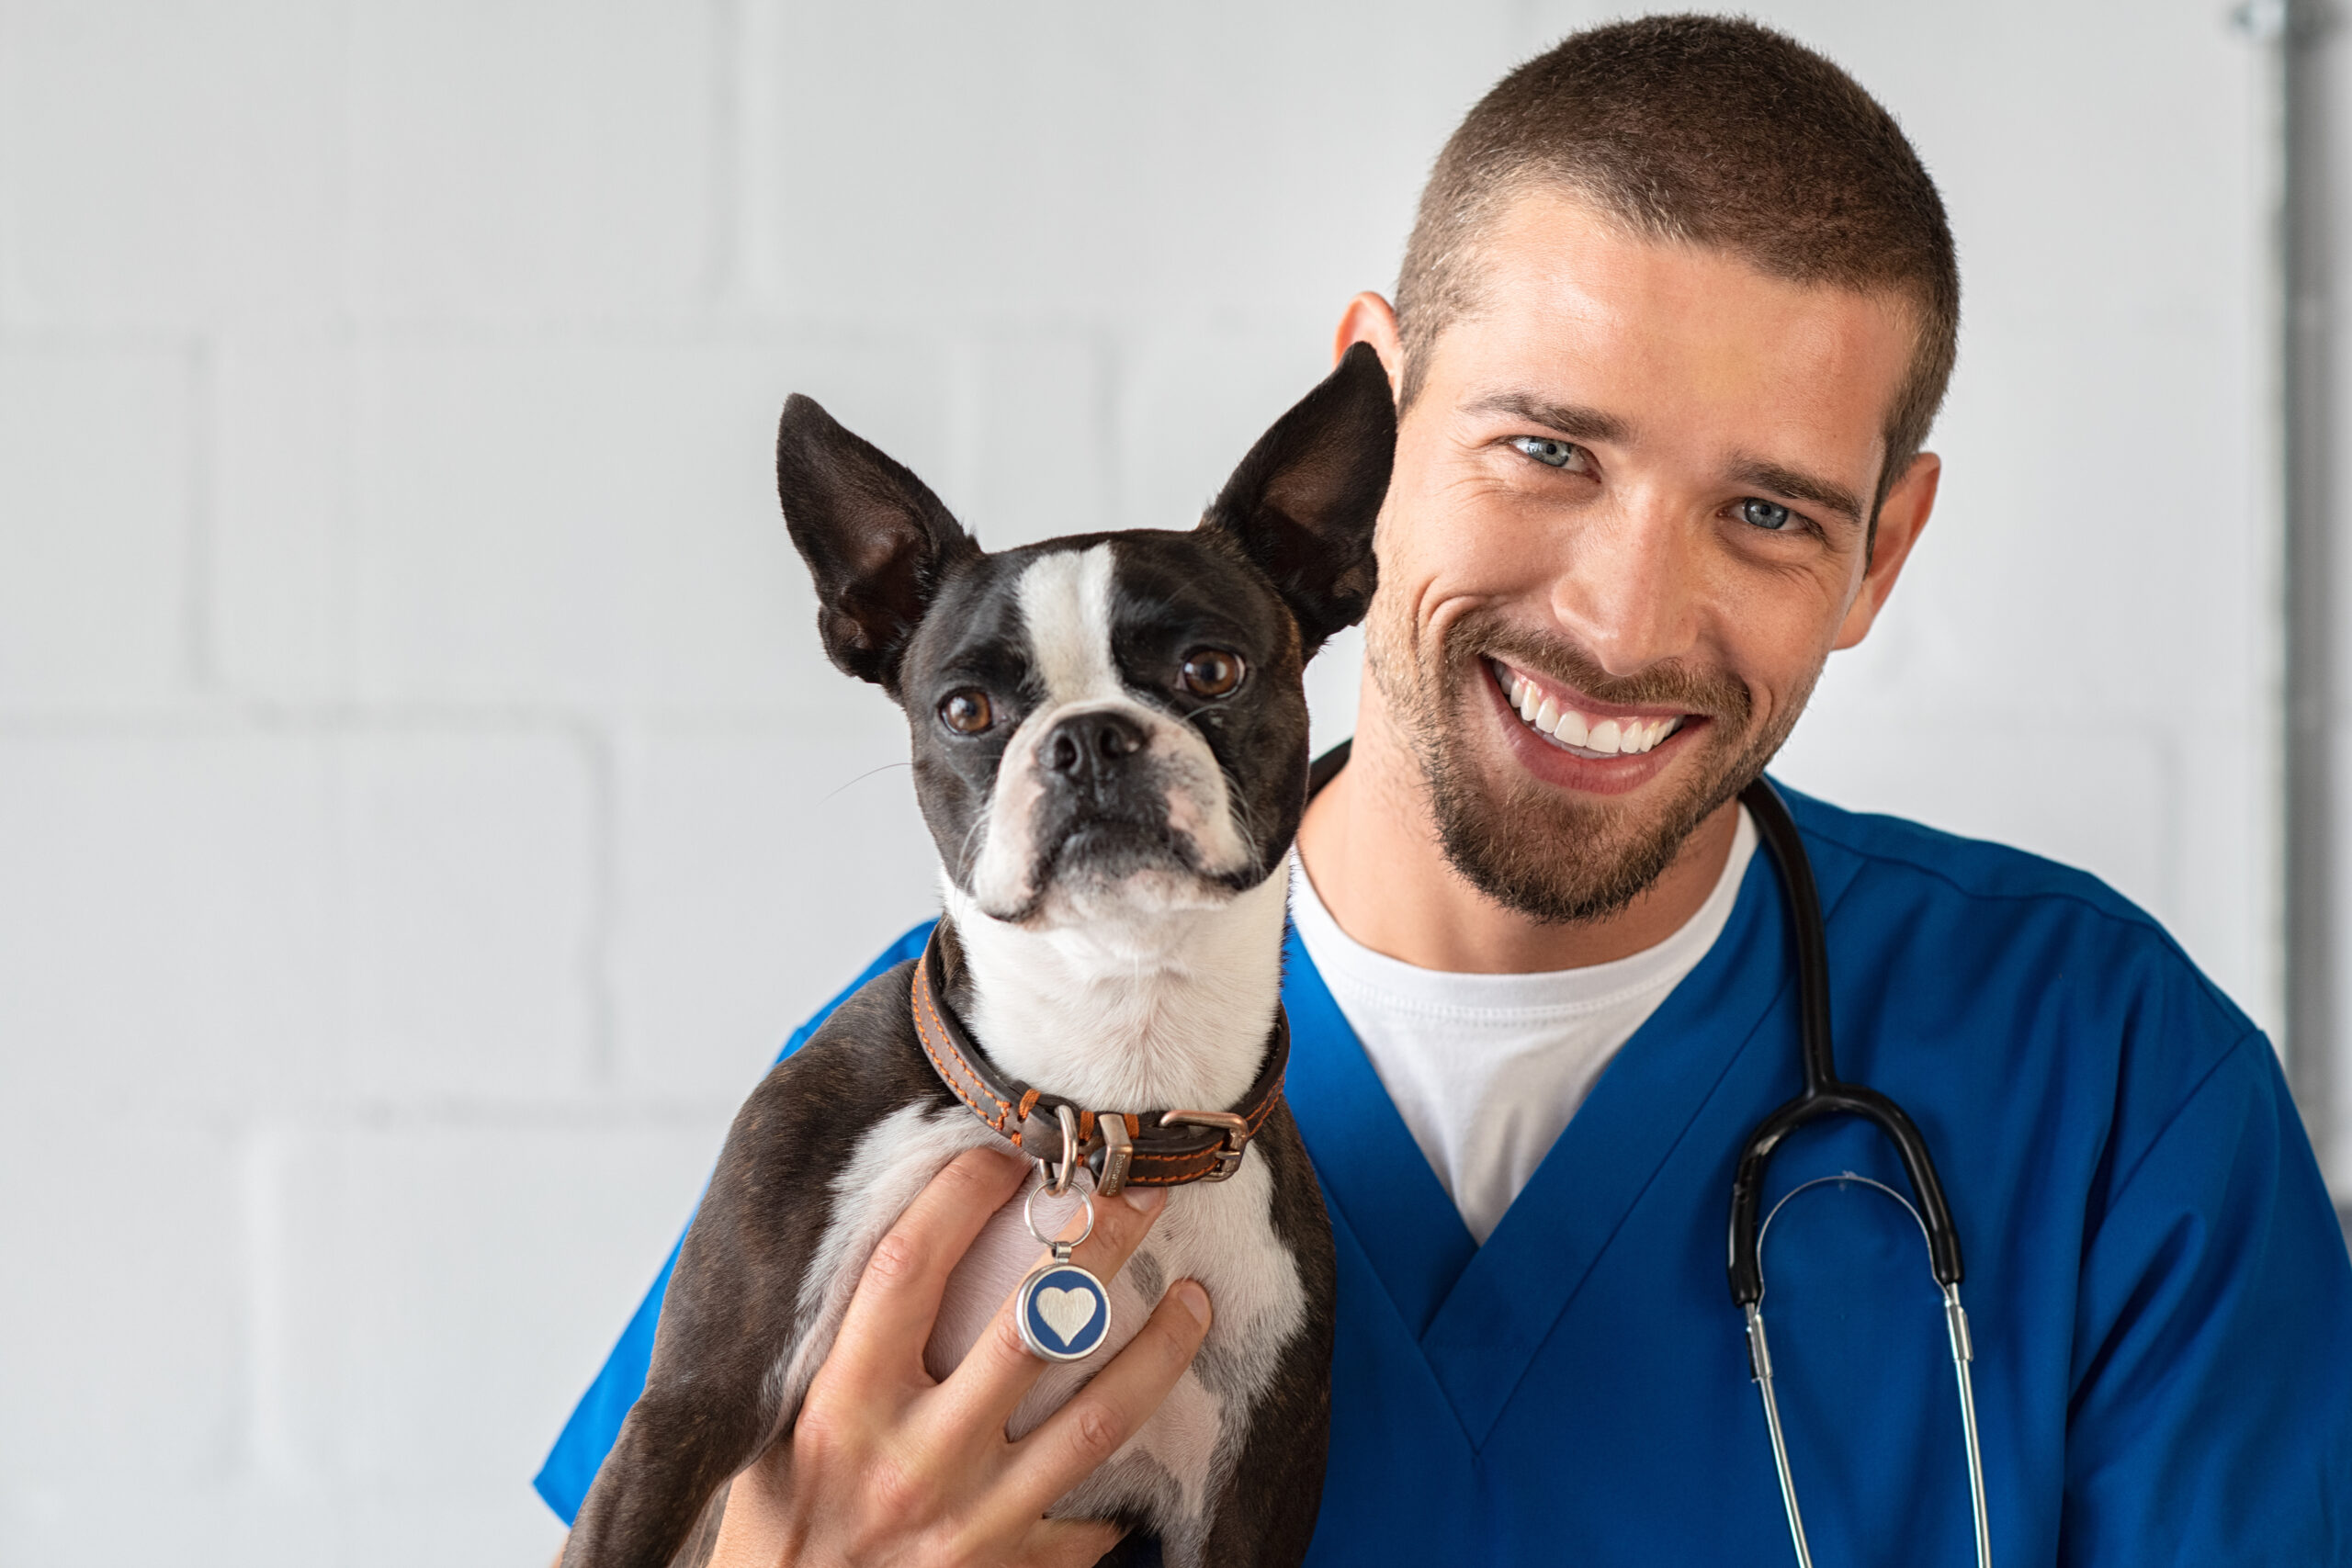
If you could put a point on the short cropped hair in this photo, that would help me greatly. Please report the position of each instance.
(1709, 131)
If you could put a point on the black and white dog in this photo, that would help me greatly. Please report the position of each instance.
(1110, 740)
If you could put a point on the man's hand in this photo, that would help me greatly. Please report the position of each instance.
(887, 1465)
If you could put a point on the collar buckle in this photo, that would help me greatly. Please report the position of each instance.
(1235, 1128)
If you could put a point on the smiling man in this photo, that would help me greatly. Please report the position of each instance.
(1675, 319)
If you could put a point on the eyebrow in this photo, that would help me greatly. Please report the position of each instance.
(1799, 486)
(1578, 423)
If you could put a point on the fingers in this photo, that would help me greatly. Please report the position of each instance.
(1106, 1412)
(896, 1300)
(998, 1370)
(1120, 1225)
(1072, 1543)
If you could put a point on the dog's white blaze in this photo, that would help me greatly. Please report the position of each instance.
(1065, 604)
(1219, 1234)
(1065, 601)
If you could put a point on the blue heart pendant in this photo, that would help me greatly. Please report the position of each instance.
(1064, 1312)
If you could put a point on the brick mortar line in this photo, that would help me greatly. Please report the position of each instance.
(722, 262)
(243, 1124)
(197, 622)
(600, 938)
(523, 1116)
(732, 313)
(229, 718)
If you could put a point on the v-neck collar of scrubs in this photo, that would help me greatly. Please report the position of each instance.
(1480, 1315)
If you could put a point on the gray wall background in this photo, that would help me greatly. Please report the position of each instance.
(424, 806)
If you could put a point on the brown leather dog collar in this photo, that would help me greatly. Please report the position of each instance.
(1148, 1148)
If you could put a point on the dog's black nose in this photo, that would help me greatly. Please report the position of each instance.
(1091, 746)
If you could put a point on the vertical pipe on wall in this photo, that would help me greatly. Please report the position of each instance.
(2314, 1048)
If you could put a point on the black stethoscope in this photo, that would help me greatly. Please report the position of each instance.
(1826, 1095)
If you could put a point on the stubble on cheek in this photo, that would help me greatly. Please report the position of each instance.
(1546, 853)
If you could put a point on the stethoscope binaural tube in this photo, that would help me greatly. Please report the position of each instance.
(1823, 1096)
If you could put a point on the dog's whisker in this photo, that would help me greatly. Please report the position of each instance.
(861, 778)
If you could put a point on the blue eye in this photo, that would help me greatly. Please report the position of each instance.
(1549, 451)
(1764, 514)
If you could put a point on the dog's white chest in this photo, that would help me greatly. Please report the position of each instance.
(1221, 1235)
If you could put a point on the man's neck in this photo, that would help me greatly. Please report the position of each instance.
(1370, 844)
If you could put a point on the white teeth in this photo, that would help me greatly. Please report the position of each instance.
(1609, 737)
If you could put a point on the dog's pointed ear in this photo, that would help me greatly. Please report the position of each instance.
(876, 539)
(1303, 502)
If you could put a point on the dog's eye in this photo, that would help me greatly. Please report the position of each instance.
(1211, 672)
(967, 712)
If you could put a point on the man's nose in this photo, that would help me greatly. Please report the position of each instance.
(1090, 750)
(1630, 589)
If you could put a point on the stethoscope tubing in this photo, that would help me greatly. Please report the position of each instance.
(1823, 1096)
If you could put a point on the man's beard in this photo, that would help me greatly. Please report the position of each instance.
(1533, 848)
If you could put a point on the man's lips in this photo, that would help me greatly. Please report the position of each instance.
(1579, 724)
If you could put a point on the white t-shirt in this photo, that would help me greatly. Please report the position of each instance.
(1486, 1069)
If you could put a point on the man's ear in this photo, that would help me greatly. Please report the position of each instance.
(876, 539)
(1902, 516)
(1302, 503)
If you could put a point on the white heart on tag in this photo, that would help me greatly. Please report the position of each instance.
(1067, 1311)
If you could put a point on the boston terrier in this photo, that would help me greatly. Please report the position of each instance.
(1110, 745)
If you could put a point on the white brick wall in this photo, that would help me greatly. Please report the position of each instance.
(98, 455)
(423, 802)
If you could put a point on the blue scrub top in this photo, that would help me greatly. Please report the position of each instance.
(2158, 1287)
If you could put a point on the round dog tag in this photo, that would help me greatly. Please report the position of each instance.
(1063, 1311)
